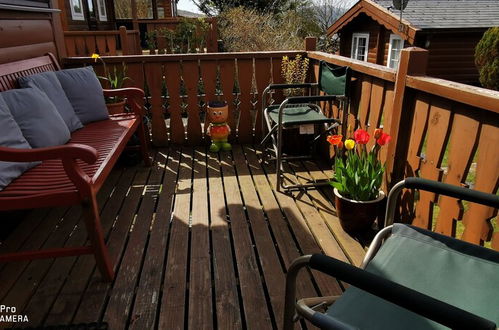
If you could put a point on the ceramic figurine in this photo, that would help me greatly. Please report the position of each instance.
(218, 130)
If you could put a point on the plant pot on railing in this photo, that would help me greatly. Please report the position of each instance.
(358, 216)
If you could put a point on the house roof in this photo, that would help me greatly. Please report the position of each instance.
(424, 14)
(448, 14)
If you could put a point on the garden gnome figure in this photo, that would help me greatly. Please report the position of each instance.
(218, 130)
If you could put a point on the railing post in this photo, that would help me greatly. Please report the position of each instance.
(413, 61)
(125, 47)
(310, 44)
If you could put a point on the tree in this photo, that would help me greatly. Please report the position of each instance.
(216, 7)
(487, 58)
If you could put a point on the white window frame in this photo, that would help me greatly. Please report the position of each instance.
(74, 15)
(102, 15)
(393, 36)
(355, 46)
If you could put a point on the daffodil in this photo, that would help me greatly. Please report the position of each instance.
(95, 56)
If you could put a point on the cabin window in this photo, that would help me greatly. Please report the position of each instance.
(396, 45)
(76, 10)
(101, 5)
(360, 43)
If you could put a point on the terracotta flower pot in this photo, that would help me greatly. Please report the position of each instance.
(116, 108)
(356, 216)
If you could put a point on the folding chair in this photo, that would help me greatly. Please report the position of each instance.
(300, 110)
(410, 278)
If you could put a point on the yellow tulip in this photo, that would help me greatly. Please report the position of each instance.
(349, 144)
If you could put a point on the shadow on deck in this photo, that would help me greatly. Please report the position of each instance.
(198, 241)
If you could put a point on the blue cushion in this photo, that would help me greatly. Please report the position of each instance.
(84, 91)
(48, 83)
(11, 137)
(36, 115)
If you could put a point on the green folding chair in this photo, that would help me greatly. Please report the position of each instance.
(410, 278)
(294, 111)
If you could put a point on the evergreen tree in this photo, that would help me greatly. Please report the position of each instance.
(487, 58)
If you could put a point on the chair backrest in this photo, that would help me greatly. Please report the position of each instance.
(333, 79)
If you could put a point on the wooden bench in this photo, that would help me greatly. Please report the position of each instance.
(72, 173)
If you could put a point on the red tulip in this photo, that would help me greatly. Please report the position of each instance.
(383, 139)
(378, 132)
(361, 136)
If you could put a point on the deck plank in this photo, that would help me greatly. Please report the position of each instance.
(199, 241)
(172, 315)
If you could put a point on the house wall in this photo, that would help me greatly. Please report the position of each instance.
(451, 55)
(27, 34)
(68, 24)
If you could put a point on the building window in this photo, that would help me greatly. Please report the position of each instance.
(101, 4)
(360, 46)
(396, 45)
(76, 10)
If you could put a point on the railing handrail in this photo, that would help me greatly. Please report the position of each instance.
(186, 57)
(375, 70)
(479, 97)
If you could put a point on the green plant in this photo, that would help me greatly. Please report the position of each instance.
(115, 78)
(358, 173)
(487, 58)
(294, 72)
(151, 40)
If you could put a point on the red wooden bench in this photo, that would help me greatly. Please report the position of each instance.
(72, 173)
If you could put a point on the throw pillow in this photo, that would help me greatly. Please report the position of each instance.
(84, 91)
(36, 115)
(48, 83)
(11, 137)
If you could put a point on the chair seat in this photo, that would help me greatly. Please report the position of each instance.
(456, 272)
(298, 115)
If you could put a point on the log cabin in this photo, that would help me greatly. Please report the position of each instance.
(375, 32)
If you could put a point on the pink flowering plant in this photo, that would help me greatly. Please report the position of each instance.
(358, 173)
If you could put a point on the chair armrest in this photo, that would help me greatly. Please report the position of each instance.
(65, 152)
(316, 98)
(134, 97)
(410, 299)
(298, 85)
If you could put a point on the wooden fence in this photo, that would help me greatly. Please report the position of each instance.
(440, 130)
(85, 43)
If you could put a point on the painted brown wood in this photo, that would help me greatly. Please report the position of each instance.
(85, 280)
(227, 76)
(272, 268)
(90, 45)
(177, 131)
(119, 306)
(262, 77)
(256, 312)
(101, 42)
(436, 141)
(200, 295)
(227, 308)
(111, 45)
(190, 76)
(365, 98)
(461, 145)
(209, 77)
(477, 228)
(375, 108)
(175, 279)
(245, 122)
(154, 76)
(277, 78)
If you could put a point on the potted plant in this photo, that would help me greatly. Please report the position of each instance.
(114, 80)
(151, 42)
(357, 179)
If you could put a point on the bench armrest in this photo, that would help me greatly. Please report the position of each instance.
(68, 151)
(134, 98)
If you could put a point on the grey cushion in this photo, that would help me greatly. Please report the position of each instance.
(36, 115)
(48, 83)
(84, 91)
(11, 137)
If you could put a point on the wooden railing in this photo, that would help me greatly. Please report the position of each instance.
(179, 86)
(441, 130)
(85, 43)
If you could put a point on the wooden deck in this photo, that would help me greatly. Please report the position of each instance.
(198, 242)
